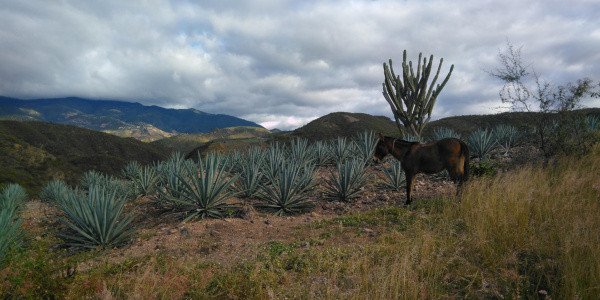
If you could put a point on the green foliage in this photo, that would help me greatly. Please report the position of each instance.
(288, 189)
(483, 168)
(203, 188)
(341, 149)
(95, 179)
(12, 197)
(95, 219)
(54, 191)
(507, 137)
(321, 152)
(347, 184)
(409, 137)
(592, 122)
(169, 172)
(482, 143)
(131, 170)
(444, 132)
(364, 145)
(300, 152)
(394, 176)
(251, 175)
(144, 181)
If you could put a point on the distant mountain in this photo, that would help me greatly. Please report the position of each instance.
(32, 153)
(117, 117)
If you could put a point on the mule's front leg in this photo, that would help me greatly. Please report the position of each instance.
(410, 182)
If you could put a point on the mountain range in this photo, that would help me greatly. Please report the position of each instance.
(117, 117)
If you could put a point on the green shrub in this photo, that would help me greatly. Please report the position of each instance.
(11, 234)
(53, 191)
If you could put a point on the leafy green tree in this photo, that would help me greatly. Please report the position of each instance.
(411, 97)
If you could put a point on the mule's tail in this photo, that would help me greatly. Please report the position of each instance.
(464, 153)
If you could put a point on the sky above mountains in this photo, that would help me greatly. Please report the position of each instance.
(284, 63)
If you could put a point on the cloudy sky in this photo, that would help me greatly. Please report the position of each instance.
(284, 63)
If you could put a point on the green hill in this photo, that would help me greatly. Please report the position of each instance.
(32, 153)
(344, 124)
(185, 143)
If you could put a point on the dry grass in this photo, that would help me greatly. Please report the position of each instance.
(529, 233)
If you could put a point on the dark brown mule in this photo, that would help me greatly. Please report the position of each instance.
(446, 154)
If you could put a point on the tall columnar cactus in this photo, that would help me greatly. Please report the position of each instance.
(409, 97)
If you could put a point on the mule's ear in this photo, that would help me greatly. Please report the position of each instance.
(380, 136)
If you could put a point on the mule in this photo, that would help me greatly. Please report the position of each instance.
(446, 154)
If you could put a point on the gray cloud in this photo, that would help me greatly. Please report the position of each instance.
(284, 63)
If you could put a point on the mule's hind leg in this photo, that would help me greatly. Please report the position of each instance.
(410, 182)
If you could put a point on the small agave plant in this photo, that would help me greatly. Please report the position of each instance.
(347, 184)
(483, 143)
(288, 189)
(443, 132)
(204, 188)
(394, 176)
(507, 137)
(364, 145)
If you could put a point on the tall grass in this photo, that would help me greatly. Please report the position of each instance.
(541, 223)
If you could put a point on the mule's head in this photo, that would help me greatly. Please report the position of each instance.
(382, 149)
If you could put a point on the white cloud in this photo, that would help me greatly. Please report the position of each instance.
(284, 63)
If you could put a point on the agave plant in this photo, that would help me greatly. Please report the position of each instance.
(364, 145)
(53, 191)
(443, 132)
(340, 149)
(321, 152)
(131, 170)
(289, 189)
(145, 182)
(507, 137)
(274, 159)
(300, 152)
(170, 173)
(95, 219)
(11, 234)
(409, 137)
(347, 184)
(205, 188)
(592, 122)
(92, 178)
(482, 143)
(249, 182)
(12, 197)
(394, 176)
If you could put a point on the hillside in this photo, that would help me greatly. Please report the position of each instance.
(185, 143)
(32, 153)
(344, 124)
(117, 117)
